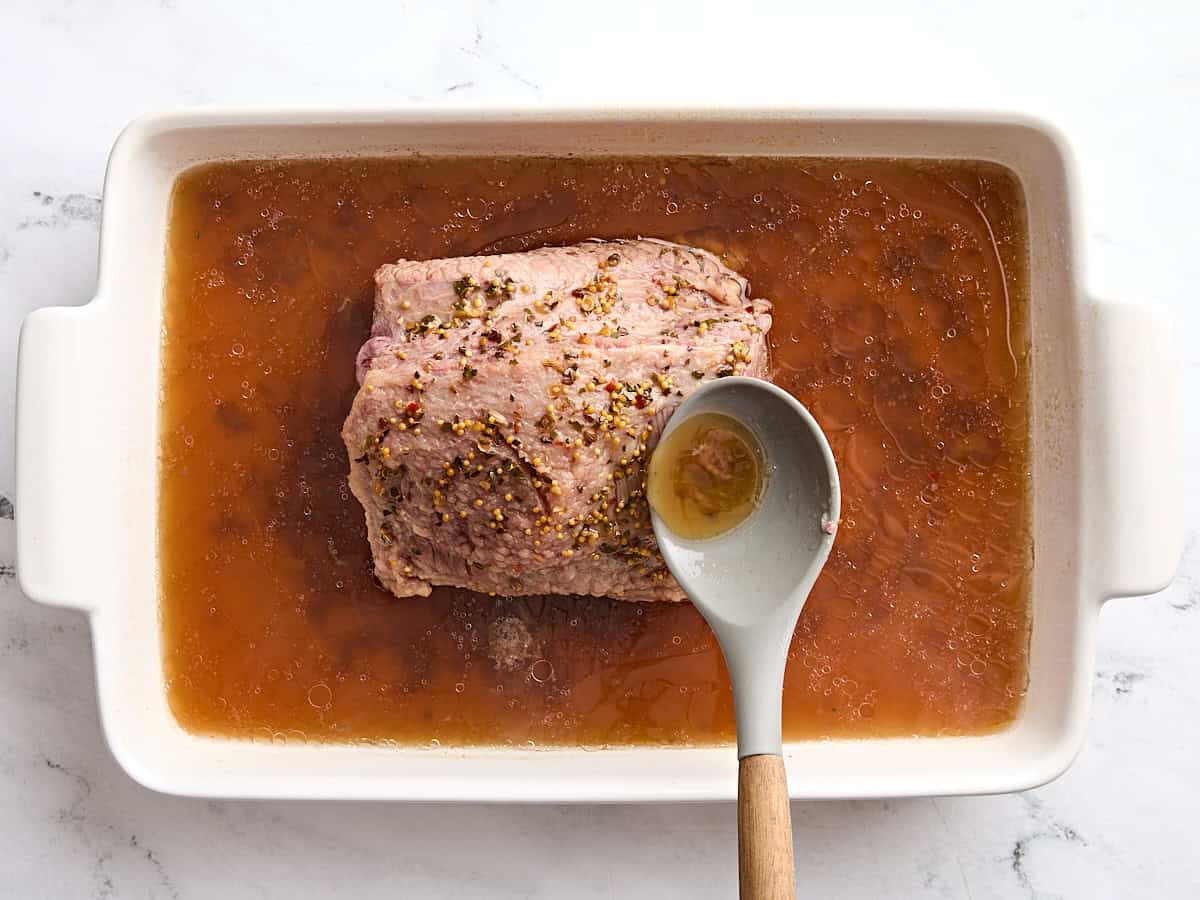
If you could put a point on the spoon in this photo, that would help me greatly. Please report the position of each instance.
(750, 584)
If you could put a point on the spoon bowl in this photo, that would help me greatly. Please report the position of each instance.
(750, 583)
(754, 569)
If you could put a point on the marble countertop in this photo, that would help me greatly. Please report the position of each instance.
(1122, 82)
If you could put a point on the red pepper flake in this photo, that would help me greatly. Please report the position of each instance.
(639, 401)
(611, 386)
(413, 408)
(749, 309)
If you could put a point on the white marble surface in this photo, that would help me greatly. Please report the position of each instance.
(1122, 80)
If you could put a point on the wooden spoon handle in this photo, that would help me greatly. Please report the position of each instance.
(765, 867)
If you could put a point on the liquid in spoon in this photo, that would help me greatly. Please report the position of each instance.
(706, 476)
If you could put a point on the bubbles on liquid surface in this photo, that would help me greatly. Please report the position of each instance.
(541, 671)
(320, 696)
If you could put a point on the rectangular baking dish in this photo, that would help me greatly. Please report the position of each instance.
(1107, 515)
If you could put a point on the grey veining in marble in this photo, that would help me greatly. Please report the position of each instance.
(1122, 81)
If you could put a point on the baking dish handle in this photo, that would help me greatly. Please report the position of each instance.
(55, 434)
(1133, 449)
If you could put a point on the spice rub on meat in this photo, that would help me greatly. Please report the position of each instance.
(508, 406)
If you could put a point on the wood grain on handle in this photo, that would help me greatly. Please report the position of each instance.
(765, 867)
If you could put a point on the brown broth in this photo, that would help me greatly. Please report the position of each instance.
(900, 320)
(706, 476)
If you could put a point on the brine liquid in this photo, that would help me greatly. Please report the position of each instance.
(706, 476)
(900, 321)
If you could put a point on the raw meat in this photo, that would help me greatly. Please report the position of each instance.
(508, 405)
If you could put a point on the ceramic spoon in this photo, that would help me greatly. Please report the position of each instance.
(750, 583)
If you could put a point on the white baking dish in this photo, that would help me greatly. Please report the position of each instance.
(1106, 503)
